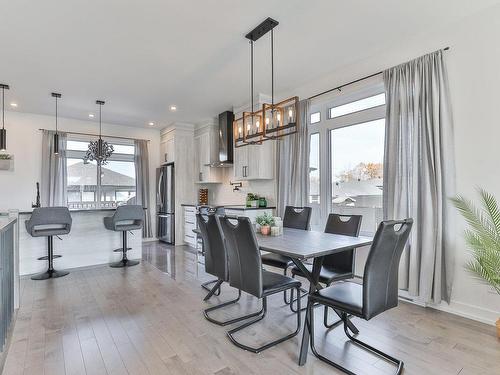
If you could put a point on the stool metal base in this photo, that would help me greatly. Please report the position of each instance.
(124, 263)
(49, 274)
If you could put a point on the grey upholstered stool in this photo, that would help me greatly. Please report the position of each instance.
(126, 218)
(49, 222)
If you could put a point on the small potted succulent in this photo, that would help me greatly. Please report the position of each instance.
(265, 221)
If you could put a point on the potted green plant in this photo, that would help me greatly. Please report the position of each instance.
(266, 221)
(5, 161)
(252, 200)
(483, 238)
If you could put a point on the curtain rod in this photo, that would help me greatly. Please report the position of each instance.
(104, 136)
(353, 82)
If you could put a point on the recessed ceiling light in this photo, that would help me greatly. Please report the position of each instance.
(151, 124)
(173, 108)
(13, 105)
(91, 115)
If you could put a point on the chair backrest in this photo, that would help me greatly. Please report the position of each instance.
(49, 216)
(297, 217)
(213, 245)
(127, 212)
(245, 265)
(380, 281)
(347, 225)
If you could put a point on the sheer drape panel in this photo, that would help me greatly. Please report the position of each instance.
(54, 171)
(292, 168)
(419, 172)
(142, 184)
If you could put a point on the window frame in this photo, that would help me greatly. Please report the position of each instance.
(74, 154)
(327, 125)
(313, 113)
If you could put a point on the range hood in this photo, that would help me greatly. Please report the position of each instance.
(225, 141)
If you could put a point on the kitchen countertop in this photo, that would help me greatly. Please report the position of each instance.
(111, 209)
(233, 207)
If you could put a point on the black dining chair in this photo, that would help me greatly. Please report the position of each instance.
(378, 293)
(339, 266)
(246, 274)
(295, 218)
(205, 210)
(216, 264)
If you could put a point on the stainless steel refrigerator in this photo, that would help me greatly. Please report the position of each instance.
(165, 203)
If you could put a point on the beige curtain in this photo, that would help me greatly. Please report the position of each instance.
(419, 172)
(142, 184)
(54, 171)
(293, 165)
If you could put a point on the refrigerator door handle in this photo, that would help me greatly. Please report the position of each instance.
(160, 181)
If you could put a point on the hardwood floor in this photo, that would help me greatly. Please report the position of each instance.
(144, 321)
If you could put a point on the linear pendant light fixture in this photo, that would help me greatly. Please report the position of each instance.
(3, 132)
(274, 120)
(99, 150)
(56, 135)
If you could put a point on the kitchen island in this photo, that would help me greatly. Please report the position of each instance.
(88, 243)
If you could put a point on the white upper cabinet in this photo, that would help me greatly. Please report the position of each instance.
(255, 162)
(205, 150)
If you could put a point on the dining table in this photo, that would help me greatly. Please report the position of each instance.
(301, 245)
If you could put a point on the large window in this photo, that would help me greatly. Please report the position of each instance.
(349, 145)
(91, 186)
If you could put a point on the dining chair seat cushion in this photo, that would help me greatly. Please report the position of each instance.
(276, 260)
(327, 275)
(274, 282)
(347, 296)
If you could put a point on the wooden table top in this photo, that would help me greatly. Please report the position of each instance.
(303, 244)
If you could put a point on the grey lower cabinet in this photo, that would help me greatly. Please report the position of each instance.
(6, 279)
(255, 162)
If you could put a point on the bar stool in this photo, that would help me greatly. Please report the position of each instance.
(126, 218)
(49, 222)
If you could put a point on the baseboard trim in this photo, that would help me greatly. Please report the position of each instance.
(464, 310)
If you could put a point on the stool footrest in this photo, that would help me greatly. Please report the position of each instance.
(120, 250)
(46, 257)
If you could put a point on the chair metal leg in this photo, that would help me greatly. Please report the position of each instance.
(207, 283)
(399, 363)
(268, 345)
(233, 320)
(302, 295)
(214, 289)
(124, 262)
(51, 273)
(345, 320)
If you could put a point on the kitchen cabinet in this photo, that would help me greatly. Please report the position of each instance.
(190, 238)
(167, 147)
(205, 149)
(255, 162)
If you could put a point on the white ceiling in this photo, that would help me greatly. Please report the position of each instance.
(143, 56)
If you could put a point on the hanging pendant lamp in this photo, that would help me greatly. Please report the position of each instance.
(274, 120)
(56, 135)
(3, 132)
(99, 150)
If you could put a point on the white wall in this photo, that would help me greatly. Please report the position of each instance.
(474, 73)
(24, 141)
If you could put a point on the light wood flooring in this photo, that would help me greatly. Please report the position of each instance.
(144, 321)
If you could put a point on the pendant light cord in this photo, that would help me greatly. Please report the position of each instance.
(100, 125)
(56, 114)
(272, 69)
(251, 76)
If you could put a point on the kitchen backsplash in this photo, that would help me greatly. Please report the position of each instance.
(224, 194)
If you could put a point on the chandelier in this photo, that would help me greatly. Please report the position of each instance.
(274, 120)
(99, 151)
